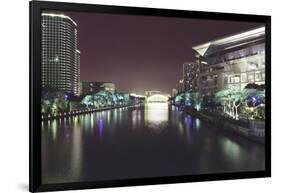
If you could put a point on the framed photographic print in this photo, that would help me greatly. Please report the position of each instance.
(123, 96)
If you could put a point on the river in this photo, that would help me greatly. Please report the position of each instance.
(152, 140)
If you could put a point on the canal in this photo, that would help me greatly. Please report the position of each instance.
(146, 141)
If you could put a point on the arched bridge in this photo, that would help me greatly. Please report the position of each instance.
(157, 98)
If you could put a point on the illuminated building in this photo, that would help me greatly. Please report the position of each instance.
(180, 86)
(108, 86)
(231, 62)
(190, 74)
(60, 56)
(174, 92)
(93, 87)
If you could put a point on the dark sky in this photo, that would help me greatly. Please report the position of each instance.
(140, 53)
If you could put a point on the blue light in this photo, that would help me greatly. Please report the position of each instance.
(254, 99)
(65, 96)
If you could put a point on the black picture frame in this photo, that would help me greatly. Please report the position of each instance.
(36, 7)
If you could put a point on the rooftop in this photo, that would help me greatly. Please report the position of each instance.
(59, 15)
(230, 42)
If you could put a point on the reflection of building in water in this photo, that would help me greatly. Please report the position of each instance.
(76, 149)
(156, 116)
(136, 118)
(231, 62)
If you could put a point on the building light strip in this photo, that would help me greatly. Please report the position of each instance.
(59, 15)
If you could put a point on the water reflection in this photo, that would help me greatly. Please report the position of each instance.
(136, 118)
(230, 148)
(118, 143)
(156, 115)
(77, 150)
(101, 126)
(197, 123)
(54, 130)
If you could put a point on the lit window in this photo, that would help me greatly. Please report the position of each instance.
(263, 76)
(258, 76)
(251, 77)
(243, 77)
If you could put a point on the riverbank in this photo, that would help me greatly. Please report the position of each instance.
(253, 130)
(84, 111)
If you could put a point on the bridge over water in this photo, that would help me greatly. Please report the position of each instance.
(158, 98)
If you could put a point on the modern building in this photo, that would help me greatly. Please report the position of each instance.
(109, 86)
(190, 74)
(80, 91)
(77, 73)
(180, 86)
(231, 62)
(60, 55)
(174, 92)
(93, 87)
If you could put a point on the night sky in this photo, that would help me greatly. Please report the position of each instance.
(140, 53)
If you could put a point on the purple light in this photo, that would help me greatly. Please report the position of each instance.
(100, 128)
(188, 121)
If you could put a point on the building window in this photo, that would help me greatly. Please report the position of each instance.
(235, 79)
(258, 76)
(263, 76)
(243, 77)
(251, 77)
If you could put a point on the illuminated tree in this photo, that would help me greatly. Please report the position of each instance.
(187, 101)
(126, 98)
(120, 98)
(179, 98)
(104, 98)
(254, 105)
(88, 100)
(237, 97)
(232, 99)
(59, 106)
(196, 100)
(223, 97)
(45, 107)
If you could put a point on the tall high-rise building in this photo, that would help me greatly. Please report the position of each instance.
(190, 75)
(60, 56)
(77, 86)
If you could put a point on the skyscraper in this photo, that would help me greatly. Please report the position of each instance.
(60, 56)
(190, 75)
(180, 86)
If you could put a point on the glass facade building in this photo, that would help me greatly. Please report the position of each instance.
(231, 62)
(60, 56)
